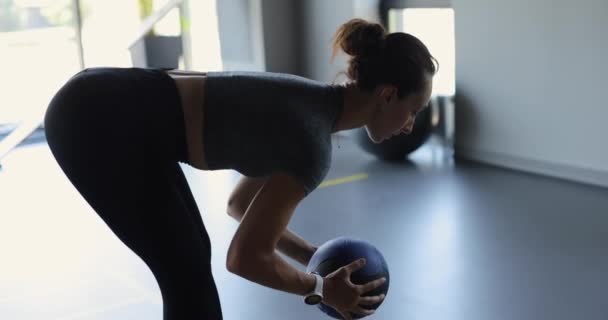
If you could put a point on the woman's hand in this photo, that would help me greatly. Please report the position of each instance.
(344, 296)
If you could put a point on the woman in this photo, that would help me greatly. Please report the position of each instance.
(120, 133)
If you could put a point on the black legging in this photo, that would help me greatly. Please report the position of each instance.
(118, 135)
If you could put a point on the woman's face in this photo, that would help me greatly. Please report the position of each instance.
(395, 116)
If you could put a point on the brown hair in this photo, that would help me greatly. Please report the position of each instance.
(377, 58)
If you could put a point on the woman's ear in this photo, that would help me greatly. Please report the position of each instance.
(389, 98)
(388, 93)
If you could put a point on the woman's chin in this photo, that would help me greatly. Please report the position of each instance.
(376, 140)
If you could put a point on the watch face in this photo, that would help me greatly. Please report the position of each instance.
(313, 299)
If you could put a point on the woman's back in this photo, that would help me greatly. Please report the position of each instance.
(262, 122)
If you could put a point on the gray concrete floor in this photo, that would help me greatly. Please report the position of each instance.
(462, 240)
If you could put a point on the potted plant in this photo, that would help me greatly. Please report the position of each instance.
(161, 51)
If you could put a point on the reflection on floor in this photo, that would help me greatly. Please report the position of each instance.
(463, 241)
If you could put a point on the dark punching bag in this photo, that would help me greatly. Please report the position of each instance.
(398, 147)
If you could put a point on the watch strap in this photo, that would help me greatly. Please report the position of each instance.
(317, 292)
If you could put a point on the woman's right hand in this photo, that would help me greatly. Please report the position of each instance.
(344, 296)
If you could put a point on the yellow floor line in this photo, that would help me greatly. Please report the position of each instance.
(333, 182)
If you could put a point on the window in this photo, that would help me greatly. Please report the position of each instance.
(435, 28)
(40, 50)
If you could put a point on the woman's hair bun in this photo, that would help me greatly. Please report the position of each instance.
(358, 38)
(377, 57)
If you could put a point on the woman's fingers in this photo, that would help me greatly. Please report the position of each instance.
(345, 315)
(363, 301)
(371, 300)
(363, 312)
(354, 266)
(371, 285)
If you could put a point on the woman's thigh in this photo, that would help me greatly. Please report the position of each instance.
(151, 210)
(141, 195)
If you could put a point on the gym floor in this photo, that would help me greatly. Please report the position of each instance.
(462, 240)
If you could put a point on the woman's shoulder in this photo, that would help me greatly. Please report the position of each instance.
(264, 76)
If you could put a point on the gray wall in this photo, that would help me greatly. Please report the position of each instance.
(241, 34)
(234, 22)
(321, 18)
(282, 35)
(530, 79)
(298, 34)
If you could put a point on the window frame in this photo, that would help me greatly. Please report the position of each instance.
(386, 5)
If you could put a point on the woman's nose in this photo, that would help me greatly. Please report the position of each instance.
(407, 129)
(409, 126)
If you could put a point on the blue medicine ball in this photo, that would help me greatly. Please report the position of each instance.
(342, 251)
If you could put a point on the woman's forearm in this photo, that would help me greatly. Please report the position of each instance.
(274, 272)
(292, 245)
(295, 247)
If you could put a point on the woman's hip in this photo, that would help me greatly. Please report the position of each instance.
(128, 108)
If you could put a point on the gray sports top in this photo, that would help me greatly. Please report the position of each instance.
(259, 123)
